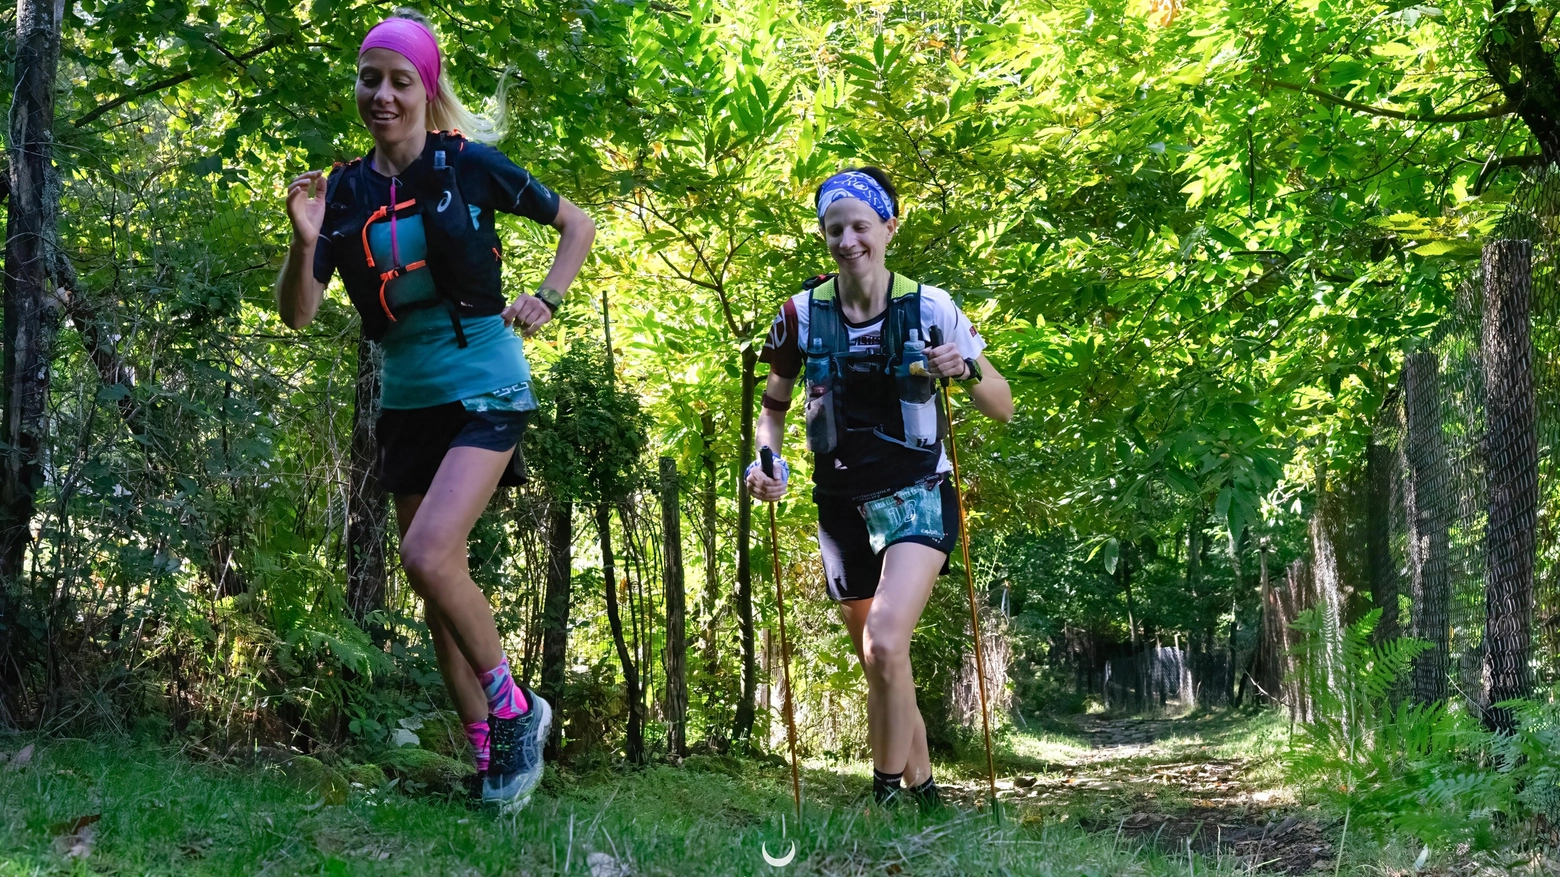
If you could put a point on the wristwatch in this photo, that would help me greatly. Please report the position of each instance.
(974, 375)
(550, 297)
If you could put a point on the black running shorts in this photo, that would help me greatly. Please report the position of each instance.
(413, 441)
(850, 566)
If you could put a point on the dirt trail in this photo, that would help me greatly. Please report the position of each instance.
(1147, 782)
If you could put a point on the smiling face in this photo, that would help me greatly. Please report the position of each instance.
(390, 96)
(857, 236)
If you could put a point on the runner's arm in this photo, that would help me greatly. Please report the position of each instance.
(991, 394)
(298, 293)
(770, 432)
(576, 233)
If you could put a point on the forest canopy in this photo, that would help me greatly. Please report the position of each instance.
(1199, 239)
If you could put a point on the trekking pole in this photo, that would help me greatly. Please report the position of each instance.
(767, 461)
(969, 581)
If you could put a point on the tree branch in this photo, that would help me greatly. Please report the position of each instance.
(1494, 166)
(1433, 118)
(170, 81)
(112, 369)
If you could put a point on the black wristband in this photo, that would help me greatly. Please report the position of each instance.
(550, 297)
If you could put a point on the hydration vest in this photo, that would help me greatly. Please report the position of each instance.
(464, 254)
(845, 388)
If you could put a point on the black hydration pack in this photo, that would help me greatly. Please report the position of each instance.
(464, 254)
(857, 392)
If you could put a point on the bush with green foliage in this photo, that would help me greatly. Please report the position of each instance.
(1430, 770)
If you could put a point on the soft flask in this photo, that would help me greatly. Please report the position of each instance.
(822, 432)
(915, 384)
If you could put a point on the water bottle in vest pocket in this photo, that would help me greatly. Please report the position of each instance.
(917, 407)
(822, 430)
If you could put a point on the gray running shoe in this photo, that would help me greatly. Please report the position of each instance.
(515, 765)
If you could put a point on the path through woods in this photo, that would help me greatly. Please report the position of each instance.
(1169, 783)
(1210, 784)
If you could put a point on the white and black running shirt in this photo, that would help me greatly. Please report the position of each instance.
(878, 467)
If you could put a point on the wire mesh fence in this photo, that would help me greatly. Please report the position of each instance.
(1458, 500)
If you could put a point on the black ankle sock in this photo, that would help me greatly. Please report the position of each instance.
(885, 785)
(927, 794)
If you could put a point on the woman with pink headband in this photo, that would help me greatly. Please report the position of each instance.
(410, 227)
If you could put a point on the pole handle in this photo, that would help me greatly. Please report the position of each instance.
(935, 333)
(766, 461)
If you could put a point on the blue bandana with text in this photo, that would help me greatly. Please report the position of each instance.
(855, 184)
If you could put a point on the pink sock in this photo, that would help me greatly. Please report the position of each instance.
(477, 733)
(505, 700)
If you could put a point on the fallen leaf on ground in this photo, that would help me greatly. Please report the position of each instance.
(603, 865)
(20, 759)
(74, 839)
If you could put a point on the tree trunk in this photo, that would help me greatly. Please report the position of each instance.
(1525, 71)
(674, 659)
(742, 728)
(1123, 567)
(1379, 462)
(30, 304)
(1269, 663)
(1194, 541)
(1231, 669)
(1511, 470)
(1425, 500)
(555, 609)
(707, 511)
(635, 744)
(368, 508)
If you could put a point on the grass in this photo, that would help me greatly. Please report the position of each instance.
(164, 814)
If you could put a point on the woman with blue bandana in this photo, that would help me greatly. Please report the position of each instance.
(871, 345)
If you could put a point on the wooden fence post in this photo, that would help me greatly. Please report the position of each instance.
(368, 508)
(555, 609)
(675, 656)
(1424, 496)
(1511, 473)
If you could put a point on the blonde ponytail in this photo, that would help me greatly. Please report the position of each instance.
(446, 112)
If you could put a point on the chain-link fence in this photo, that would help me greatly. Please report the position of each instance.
(1453, 517)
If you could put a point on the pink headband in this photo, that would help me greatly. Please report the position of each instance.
(412, 40)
